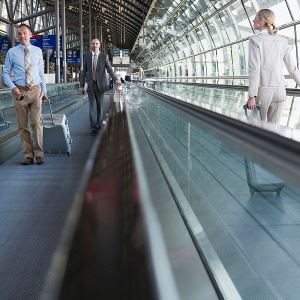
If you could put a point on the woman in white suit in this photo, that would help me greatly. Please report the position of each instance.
(268, 53)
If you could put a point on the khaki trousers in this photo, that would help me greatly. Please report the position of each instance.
(30, 108)
(271, 101)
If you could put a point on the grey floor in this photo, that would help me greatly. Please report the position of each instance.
(34, 203)
(257, 238)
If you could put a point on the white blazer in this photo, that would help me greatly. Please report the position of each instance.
(267, 54)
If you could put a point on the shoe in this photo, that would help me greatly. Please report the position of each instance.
(94, 131)
(39, 160)
(27, 161)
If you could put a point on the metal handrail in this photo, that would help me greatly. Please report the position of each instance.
(289, 91)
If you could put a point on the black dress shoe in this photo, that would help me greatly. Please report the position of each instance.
(39, 160)
(94, 131)
(27, 161)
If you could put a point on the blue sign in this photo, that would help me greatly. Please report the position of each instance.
(36, 40)
(73, 56)
(4, 43)
(116, 52)
(73, 60)
(49, 41)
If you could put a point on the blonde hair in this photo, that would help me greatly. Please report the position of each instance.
(268, 16)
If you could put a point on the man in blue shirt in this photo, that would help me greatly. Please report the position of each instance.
(23, 73)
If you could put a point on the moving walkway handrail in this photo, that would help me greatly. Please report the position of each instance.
(102, 165)
(191, 82)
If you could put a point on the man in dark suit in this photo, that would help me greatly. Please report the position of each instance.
(93, 73)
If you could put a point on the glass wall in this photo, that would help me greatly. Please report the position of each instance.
(211, 34)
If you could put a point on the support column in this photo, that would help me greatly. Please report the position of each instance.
(12, 27)
(57, 32)
(81, 35)
(47, 61)
(90, 21)
(64, 37)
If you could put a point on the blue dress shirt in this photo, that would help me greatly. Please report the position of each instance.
(14, 61)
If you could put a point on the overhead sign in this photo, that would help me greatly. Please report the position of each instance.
(73, 56)
(49, 41)
(4, 43)
(36, 40)
(116, 52)
(125, 52)
(73, 60)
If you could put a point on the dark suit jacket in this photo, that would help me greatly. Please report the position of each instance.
(102, 65)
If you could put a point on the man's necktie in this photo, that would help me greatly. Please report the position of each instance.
(28, 73)
(94, 67)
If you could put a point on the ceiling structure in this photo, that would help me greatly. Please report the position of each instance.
(120, 20)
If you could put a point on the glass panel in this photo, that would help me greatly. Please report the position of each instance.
(61, 95)
(190, 12)
(214, 33)
(180, 46)
(248, 215)
(211, 63)
(194, 41)
(173, 52)
(229, 27)
(203, 7)
(239, 53)
(224, 61)
(289, 34)
(279, 8)
(204, 38)
(295, 6)
(200, 65)
(240, 26)
(190, 66)
(298, 43)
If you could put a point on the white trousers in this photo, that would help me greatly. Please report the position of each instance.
(271, 101)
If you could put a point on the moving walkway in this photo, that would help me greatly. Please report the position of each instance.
(169, 185)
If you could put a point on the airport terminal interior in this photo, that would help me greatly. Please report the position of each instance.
(184, 193)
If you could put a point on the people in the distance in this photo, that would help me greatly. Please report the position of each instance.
(28, 90)
(268, 53)
(94, 65)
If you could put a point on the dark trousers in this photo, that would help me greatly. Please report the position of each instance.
(95, 106)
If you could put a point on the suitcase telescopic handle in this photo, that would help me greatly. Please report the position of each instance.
(50, 110)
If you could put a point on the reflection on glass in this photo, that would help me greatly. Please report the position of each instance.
(205, 30)
(252, 221)
(213, 98)
(260, 181)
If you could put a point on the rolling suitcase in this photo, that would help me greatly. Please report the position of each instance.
(119, 98)
(57, 137)
(252, 114)
(258, 179)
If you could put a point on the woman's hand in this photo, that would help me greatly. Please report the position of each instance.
(251, 104)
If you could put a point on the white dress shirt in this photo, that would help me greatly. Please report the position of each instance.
(267, 56)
